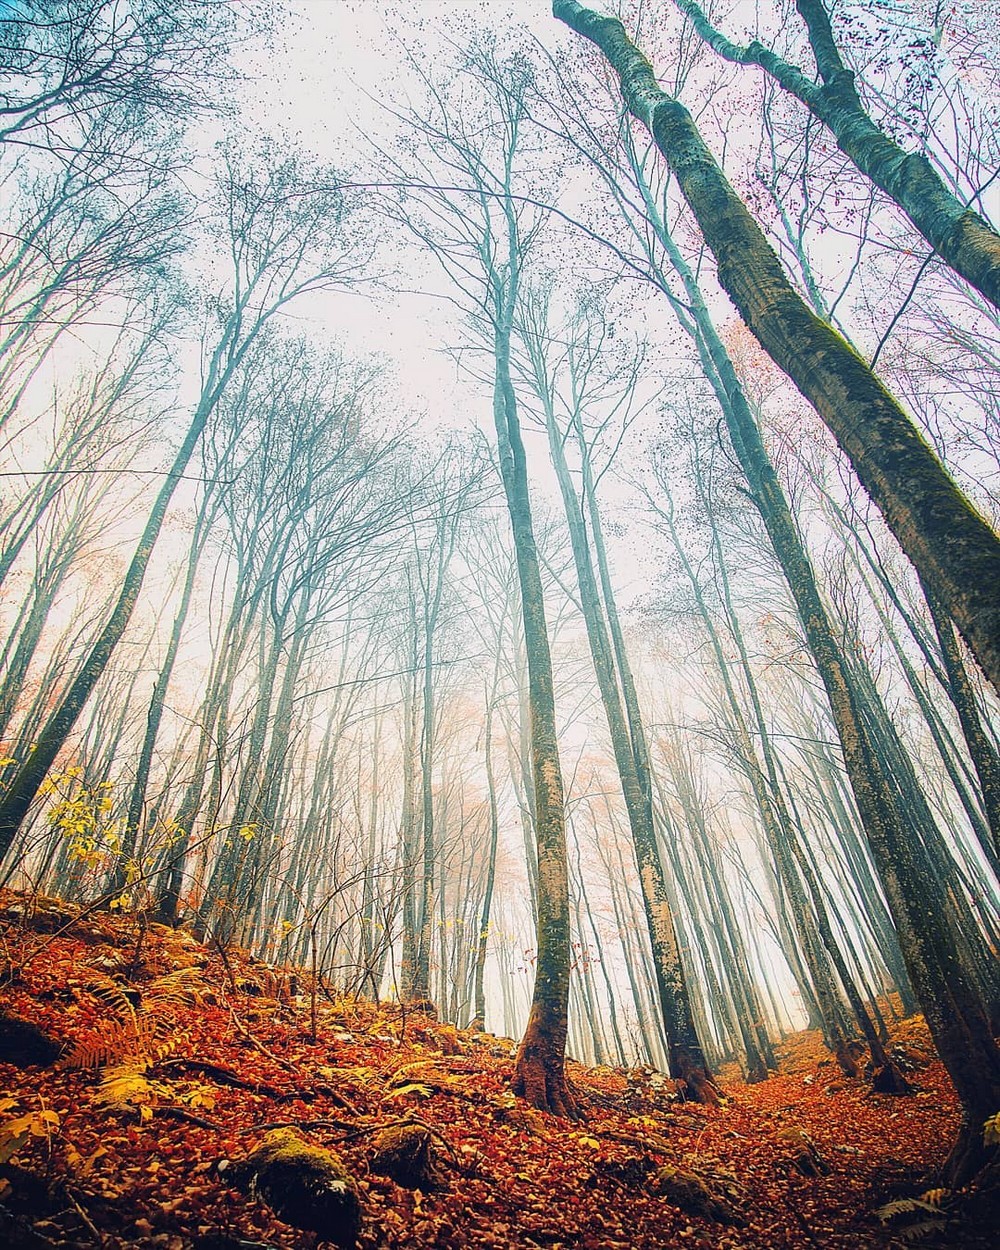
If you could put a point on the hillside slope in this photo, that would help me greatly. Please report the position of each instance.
(177, 1062)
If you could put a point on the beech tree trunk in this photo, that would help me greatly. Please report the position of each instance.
(687, 1060)
(539, 1069)
(952, 547)
(958, 235)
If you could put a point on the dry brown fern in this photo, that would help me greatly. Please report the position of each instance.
(135, 1037)
(183, 987)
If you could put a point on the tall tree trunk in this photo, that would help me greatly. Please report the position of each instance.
(950, 544)
(687, 1060)
(539, 1068)
(482, 936)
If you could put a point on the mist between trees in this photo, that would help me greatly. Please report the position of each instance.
(643, 706)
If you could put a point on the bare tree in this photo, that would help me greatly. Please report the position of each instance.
(276, 228)
(950, 544)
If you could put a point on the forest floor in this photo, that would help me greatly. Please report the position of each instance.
(174, 1057)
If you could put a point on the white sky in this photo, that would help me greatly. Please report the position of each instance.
(316, 83)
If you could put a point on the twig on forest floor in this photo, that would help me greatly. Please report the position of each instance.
(406, 1122)
(94, 1231)
(226, 1076)
(189, 1117)
(242, 1029)
(652, 1141)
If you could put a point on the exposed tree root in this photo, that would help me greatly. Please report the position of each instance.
(540, 1079)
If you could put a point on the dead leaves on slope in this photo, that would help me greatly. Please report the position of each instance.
(505, 1176)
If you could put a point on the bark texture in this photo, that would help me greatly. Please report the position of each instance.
(952, 547)
(962, 238)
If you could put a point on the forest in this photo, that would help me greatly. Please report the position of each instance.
(500, 624)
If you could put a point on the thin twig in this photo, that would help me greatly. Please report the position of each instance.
(189, 1117)
(245, 1032)
(91, 1226)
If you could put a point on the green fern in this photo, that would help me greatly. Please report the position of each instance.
(991, 1131)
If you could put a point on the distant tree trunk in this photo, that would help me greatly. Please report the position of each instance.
(624, 927)
(432, 582)
(157, 703)
(778, 832)
(738, 1003)
(410, 815)
(984, 756)
(482, 936)
(687, 1058)
(890, 1078)
(539, 1069)
(837, 800)
(26, 782)
(949, 543)
(951, 1001)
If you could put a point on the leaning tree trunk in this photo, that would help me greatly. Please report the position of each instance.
(951, 1002)
(49, 742)
(963, 239)
(952, 547)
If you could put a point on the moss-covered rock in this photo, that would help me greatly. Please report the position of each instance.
(305, 1185)
(405, 1154)
(25, 1045)
(695, 1195)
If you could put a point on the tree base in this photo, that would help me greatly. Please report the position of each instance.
(699, 1087)
(540, 1079)
(889, 1080)
(696, 1084)
(971, 1160)
(847, 1055)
